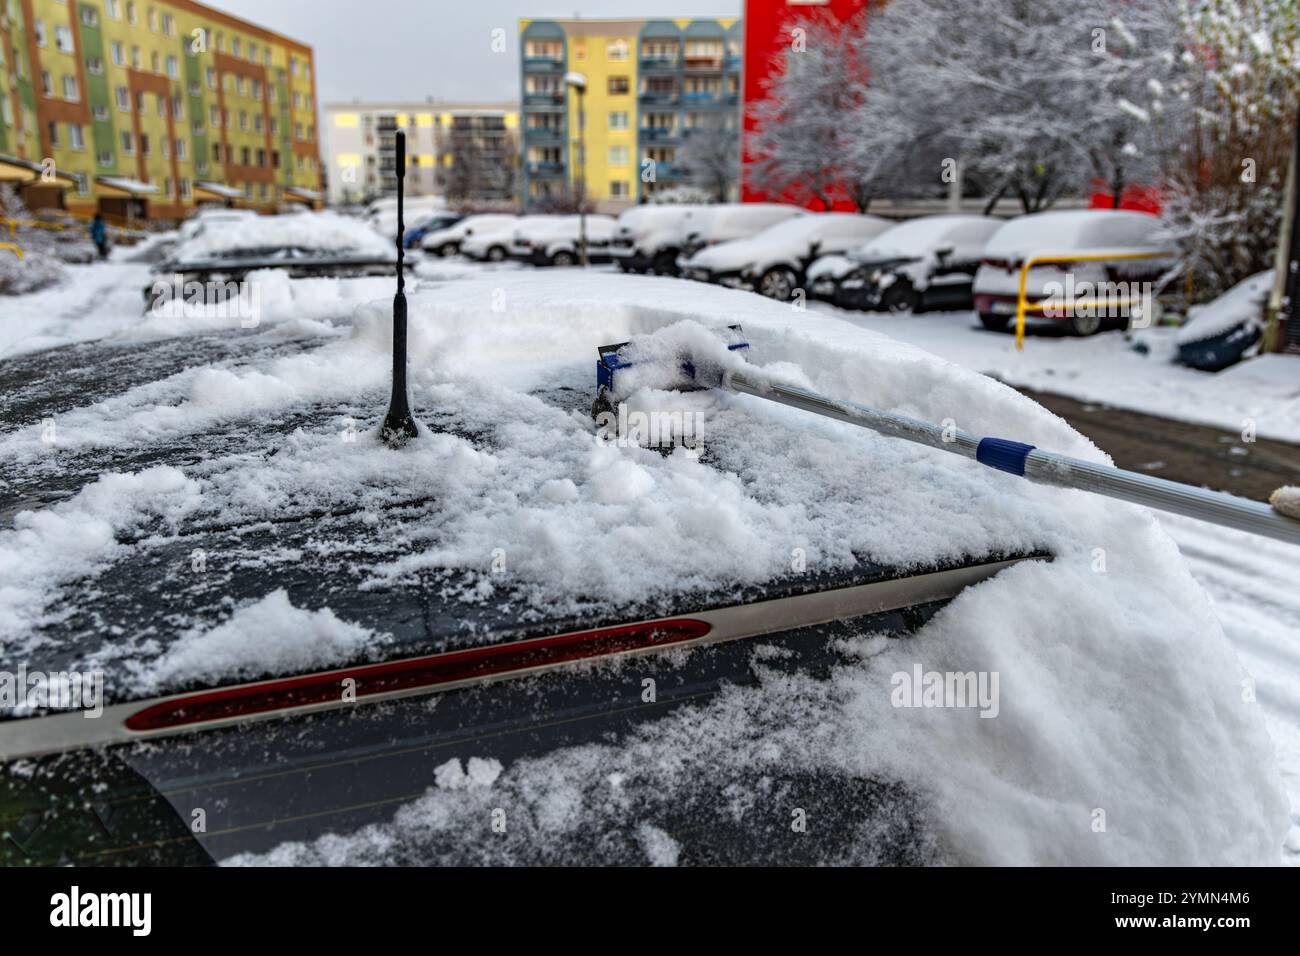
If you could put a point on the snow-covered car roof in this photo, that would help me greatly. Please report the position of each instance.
(923, 235)
(647, 217)
(318, 545)
(319, 232)
(1242, 303)
(1046, 233)
(557, 226)
(791, 239)
(754, 217)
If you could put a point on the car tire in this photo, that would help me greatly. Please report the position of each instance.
(496, 254)
(447, 249)
(777, 283)
(994, 323)
(900, 297)
(1084, 325)
(564, 259)
(665, 263)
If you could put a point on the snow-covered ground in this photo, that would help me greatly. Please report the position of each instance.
(1105, 368)
(1120, 690)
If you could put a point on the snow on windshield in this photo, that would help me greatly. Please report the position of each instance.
(319, 231)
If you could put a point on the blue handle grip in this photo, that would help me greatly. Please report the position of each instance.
(1003, 454)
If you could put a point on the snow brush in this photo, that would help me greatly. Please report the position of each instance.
(1016, 458)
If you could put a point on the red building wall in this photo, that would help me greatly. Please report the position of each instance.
(768, 26)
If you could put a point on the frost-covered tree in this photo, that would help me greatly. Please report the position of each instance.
(1235, 99)
(711, 157)
(38, 266)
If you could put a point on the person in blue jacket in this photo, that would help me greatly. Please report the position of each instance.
(99, 236)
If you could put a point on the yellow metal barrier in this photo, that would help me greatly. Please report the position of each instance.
(1022, 303)
(12, 248)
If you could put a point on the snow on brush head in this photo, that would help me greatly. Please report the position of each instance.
(686, 354)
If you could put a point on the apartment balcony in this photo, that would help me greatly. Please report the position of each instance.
(659, 64)
(704, 64)
(658, 97)
(733, 63)
(546, 170)
(542, 134)
(544, 100)
(658, 133)
(701, 99)
(667, 171)
(543, 64)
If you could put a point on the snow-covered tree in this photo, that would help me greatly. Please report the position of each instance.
(711, 156)
(38, 266)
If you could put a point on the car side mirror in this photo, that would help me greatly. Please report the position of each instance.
(943, 252)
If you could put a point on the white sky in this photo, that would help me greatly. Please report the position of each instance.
(410, 50)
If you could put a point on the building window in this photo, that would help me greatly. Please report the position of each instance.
(47, 84)
(131, 15)
(212, 78)
(618, 189)
(618, 121)
(119, 54)
(173, 68)
(89, 17)
(261, 158)
(153, 19)
(616, 50)
(114, 8)
(105, 159)
(185, 189)
(101, 114)
(128, 141)
(257, 89)
(178, 108)
(83, 184)
(70, 91)
(195, 89)
(54, 136)
(135, 57)
(63, 39)
(257, 122)
(169, 25)
(76, 139)
(235, 47)
(618, 156)
(243, 120)
(618, 85)
(123, 99)
(39, 30)
(180, 150)
(94, 65)
(244, 156)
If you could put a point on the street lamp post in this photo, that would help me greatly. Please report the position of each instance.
(578, 83)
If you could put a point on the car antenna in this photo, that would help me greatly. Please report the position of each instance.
(399, 427)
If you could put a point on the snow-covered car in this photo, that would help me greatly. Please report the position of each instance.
(723, 222)
(647, 238)
(919, 265)
(1223, 332)
(211, 219)
(492, 243)
(1115, 285)
(523, 638)
(427, 224)
(774, 262)
(447, 242)
(556, 243)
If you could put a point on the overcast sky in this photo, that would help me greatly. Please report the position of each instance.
(409, 50)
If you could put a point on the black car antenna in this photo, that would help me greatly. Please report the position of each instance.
(399, 427)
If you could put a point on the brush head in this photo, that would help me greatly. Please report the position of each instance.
(684, 357)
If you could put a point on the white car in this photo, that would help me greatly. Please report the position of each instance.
(556, 242)
(1080, 233)
(710, 225)
(493, 243)
(774, 262)
(447, 242)
(648, 238)
(922, 264)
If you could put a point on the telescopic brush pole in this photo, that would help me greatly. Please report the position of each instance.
(399, 426)
(1040, 466)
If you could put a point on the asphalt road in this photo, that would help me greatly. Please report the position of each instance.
(1194, 454)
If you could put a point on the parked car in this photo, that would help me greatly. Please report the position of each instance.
(774, 262)
(556, 242)
(648, 238)
(447, 242)
(434, 223)
(711, 225)
(492, 243)
(922, 264)
(1081, 232)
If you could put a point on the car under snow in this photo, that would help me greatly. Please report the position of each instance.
(920, 265)
(447, 242)
(648, 238)
(1114, 255)
(774, 262)
(758, 637)
(556, 241)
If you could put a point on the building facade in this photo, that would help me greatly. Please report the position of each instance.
(649, 85)
(465, 152)
(147, 108)
(769, 35)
